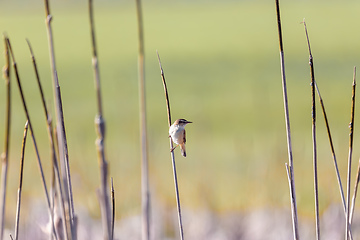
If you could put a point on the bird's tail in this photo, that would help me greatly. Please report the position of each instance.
(183, 151)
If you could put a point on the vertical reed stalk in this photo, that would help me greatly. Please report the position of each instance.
(145, 191)
(351, 136)
(32, 132)
(355, 193)
(20, 181)
(52, 199)
(313, 116)
(100, 130)
(60, 125)
(290, 167)
(5, 154)
(113, 209)
(172, 152)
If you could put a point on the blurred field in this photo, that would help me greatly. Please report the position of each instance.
(221, 63)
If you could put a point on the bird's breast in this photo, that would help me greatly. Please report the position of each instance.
(177, 134)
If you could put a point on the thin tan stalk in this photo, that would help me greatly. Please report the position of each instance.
(56, 174)
(95, 59)
(290, 167)
(172, 152)
(145, 191)
(113, 209)
(62, 142)
(351, 136)
(5, 154)
(20, 181)
(332, 148)
(354, 193)
(100, 130)
(355, 186)
(48, 123)
(52, 199)
(31, 131)
(313, 116)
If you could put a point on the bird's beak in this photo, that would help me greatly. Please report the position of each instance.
(188, 122)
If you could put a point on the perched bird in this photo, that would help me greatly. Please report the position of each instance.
(177, 134)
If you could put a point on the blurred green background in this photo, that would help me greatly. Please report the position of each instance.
(221, 63)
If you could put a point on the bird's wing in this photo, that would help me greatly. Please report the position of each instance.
(184, 136)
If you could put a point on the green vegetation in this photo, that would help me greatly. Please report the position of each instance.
(221, 63)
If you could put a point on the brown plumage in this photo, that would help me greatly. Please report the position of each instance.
(182, 145)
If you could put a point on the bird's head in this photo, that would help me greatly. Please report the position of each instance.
(182, 122)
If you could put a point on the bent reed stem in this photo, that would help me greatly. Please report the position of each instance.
(172, 152)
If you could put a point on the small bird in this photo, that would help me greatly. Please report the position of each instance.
(178, 135)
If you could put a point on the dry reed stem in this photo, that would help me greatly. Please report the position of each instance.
(100, 130)
(113, 209)
(333, 154)
(145, 191)
(313, 117)
(354, 194)
(95, 59)
(55, 173)
(290, 167)
(31, 131)
(351, 136)
(172, 152)
(5, 154)
(355, 188)
(62, 142)
(18, 204)
(52, 199)
(52, 148)
(332, 148)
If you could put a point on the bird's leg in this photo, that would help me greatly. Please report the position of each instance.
(173, 148)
